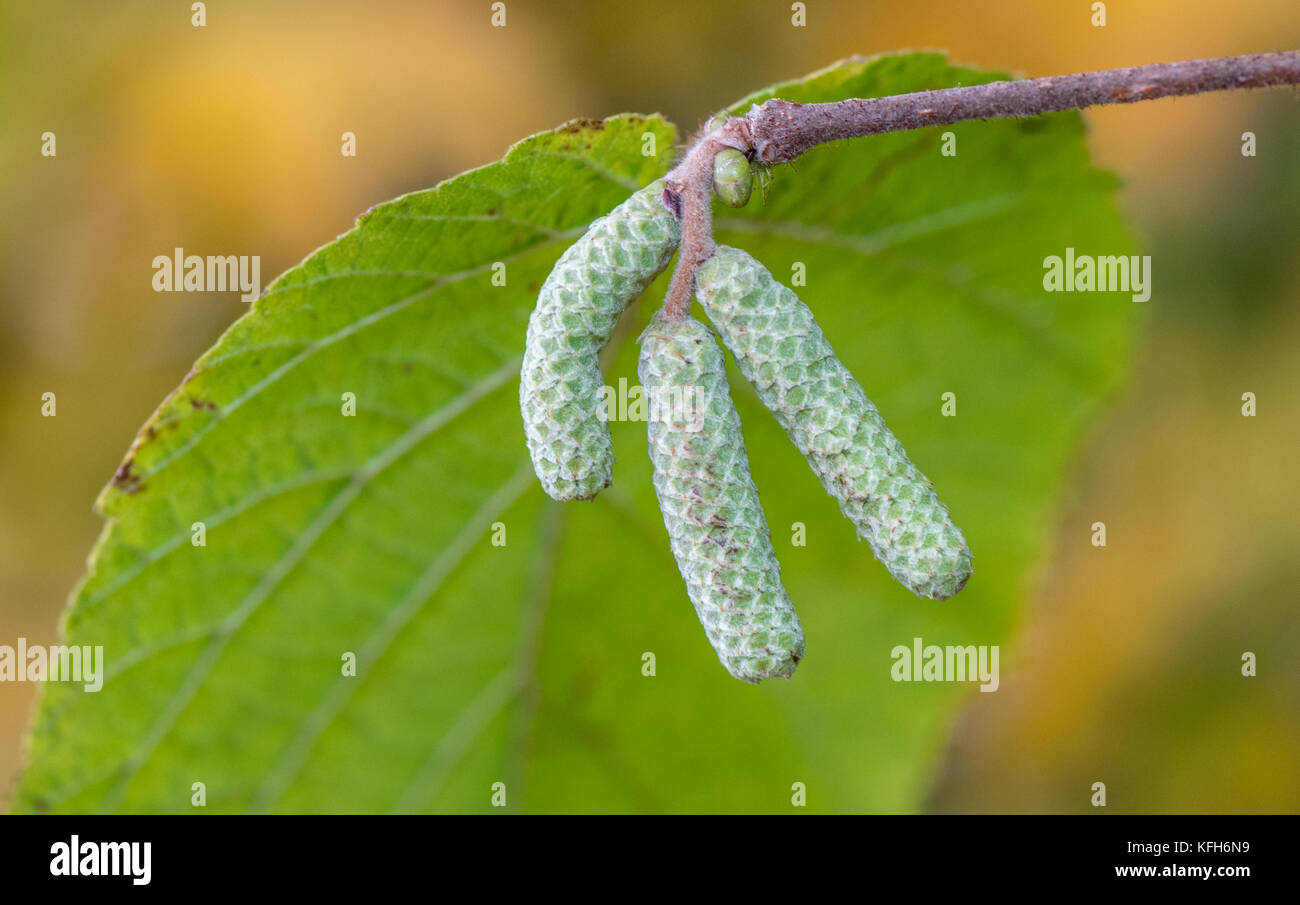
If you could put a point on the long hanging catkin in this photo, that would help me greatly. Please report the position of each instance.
(715, 524)
(560, 382)
(782, 352)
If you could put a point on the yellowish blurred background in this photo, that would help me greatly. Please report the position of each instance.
(226, 138)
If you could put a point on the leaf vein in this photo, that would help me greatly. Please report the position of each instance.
(287, 562)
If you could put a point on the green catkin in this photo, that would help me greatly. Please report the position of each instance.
(782, 352)
(560, 383)
(715, 524)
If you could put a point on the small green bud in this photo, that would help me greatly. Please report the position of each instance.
(732, 178)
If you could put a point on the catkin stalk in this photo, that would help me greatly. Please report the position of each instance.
(781, 350)
(710, 505)
(560, 384)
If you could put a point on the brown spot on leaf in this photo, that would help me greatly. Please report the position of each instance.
(578, 125)
(125, 479)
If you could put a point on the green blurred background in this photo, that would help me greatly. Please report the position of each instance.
(227, 138)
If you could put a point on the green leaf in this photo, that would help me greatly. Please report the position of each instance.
(522, 663)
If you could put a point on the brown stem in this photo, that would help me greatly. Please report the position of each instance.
(778, 131)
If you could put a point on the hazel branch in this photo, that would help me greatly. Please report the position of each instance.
(779, 131)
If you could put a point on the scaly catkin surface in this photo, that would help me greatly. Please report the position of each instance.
(592, 283)
(782, 352)
(715, 524)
